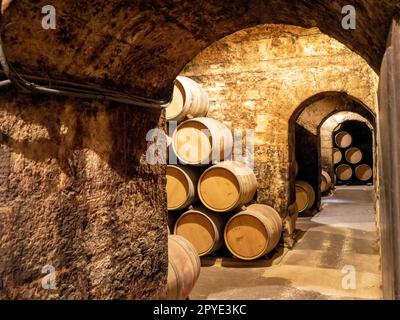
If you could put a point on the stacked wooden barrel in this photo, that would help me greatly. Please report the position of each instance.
(207, 192)
(254, 232)
(227, 186)
(201, 141)
(181, 186)
(305, 196)
(183, 268)
(189, 101)
(326, 181)
(348, 160)
(203, 228)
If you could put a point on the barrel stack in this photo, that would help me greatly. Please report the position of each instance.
(351, 165)
(207, 193)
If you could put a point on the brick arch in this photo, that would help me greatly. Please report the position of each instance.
(141, 46)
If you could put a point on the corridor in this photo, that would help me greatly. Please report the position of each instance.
(342, 238)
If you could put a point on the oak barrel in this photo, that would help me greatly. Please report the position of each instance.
(181, 186)
(344, 172)
(326, 181)
(364, 172)
(189, 101)
(203, 228)
(227, 186)
(337, 155)
(343, 139)
(305, 196)
(183, 268)
(254, 232)
(202, 141)
(354, 155)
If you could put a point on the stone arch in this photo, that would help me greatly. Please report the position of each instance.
(141, 46)
(305, 132)
(248, 88)
(331, 124)
(327, 104)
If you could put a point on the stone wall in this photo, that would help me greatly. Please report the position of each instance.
(315, 114)
(260, 78)
(76, 193)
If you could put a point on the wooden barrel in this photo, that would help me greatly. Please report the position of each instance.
(254, 232)
(343, 139)
(202, 141)
(305, 196)
(326, 181)
(354, 155)
(203, 228)
(337, 155)
(181, 187)
(364, 172)
(344, 172)
(227, 186)
(183, 268)
(189, 101)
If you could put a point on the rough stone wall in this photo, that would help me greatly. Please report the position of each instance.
(258, 78)
(76, 193)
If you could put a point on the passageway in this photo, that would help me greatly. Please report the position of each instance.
(342, 236)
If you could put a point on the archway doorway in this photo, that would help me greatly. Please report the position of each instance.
(251, 98)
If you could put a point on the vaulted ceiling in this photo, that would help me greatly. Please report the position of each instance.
(141, 46)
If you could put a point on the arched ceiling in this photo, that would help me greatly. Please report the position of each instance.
(335, 120)
(314, 114)
(141, 46)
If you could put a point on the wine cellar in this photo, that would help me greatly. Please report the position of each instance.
(209, 150)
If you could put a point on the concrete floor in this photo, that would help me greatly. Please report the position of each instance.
(343, 234)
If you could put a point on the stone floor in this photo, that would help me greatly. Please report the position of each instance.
(342, 235)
